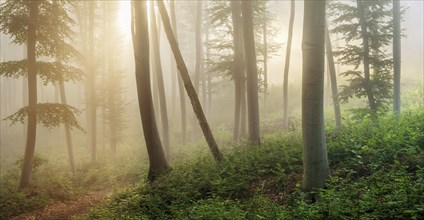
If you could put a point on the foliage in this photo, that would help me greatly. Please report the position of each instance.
(377, 173)
(345, 18)
(49, 115)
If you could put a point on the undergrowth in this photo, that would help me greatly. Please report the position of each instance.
(376, 173)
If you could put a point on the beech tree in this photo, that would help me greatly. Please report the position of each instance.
(140, 38)
(43, 26)
(315, 159)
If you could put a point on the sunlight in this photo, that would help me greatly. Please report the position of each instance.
(124, 18)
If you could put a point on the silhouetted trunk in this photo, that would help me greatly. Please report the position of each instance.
(366, 56)
(91, 84)
(315, 160)
(264, 26)
(396, 57)
(238, 67)
(179, 79)
(287, 66)
(333, 78)
(198, 46)
(25, 180)
(188, 84)
(160, 85)
(140, 37)
(251, 73)
(67, 130)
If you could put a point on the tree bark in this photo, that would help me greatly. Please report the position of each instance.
(333, 78)
(188, 84)
(366, 56)
(25, 179)
(179, 79)
(265, 65)
(160, 81)
(286, 67)
(198, 46)
(396, 57)
(140, 37)
(67, 130)
(315, 161)
(251, 73)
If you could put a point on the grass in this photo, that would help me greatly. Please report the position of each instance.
(376, 173)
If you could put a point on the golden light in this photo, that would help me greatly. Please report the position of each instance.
(124, 17)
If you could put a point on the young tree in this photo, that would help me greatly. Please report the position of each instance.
(140, 37)
(43, 26)
(251, 73)
(315, 161)
(91, 84)
(287, 65)
(396, 56)
(333, 78)
(188, 85)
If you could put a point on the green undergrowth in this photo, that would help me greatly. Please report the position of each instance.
(376, 173)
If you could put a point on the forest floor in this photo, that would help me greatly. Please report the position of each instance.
(75, 209)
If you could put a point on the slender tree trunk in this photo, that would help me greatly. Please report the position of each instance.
(160, 81)
(333, 78)
(396, 56)
(366, 56)
(67, 130)
(198, 46)
(251, 73)
(188, 84)
(25, 180)
(140, 37)
(208, 76)
(315, 161)
(238, 67)
(179, 79)
(91, 78)
(287, 65)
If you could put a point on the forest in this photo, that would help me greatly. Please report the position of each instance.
(203, 109)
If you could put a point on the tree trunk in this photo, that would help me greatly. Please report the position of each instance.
(396, 56)
(251, 73)
(238, 67)
(315, 161)
(140, 37)
(286, 67)
(25, 180)
(198, 46)
(91, 83)
(179, 79)
(188, 85)
(333, 78)
(67, 130)
(160, 81)
(265, 65)
(366, 56)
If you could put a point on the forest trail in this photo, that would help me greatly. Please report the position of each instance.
(59, 210)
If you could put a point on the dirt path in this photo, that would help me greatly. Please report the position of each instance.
(65, 210)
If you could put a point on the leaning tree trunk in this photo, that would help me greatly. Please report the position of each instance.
(315, 161)
(159, 79)
(140, 36)
(251, 73)
(286, 67)
(25, 180)
(333, 78)
(188, 84)
(179, 79)
(366, 56)
(67, 129)
(396, 57)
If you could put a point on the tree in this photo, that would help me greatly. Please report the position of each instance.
(251, 73)
(287, 65)
(91, 84)
(396, 56)
(140, 37)
(333, 78)
(315, 161)
(43, 26)
(367, 22)
(159, 79)
(179, 79)
(197, 108)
